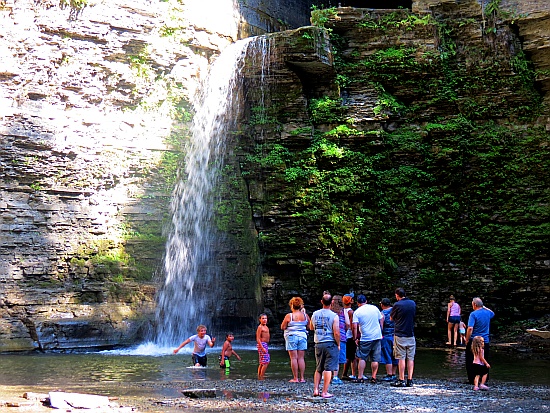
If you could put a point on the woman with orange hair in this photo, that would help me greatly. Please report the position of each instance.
(295, 331)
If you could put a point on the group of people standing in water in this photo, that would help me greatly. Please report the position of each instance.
(351, 338)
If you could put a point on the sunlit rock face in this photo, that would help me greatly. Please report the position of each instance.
(94, 105)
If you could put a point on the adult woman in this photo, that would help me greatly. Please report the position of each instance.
(294, 325)
(453, 319)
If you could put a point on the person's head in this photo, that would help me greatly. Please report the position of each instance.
(296, 303)
(347, 300)
(400, 293)
(201, 331)
(229, 337)
(361, 299)
(452, 298)
(477, 344)
(477, 303)
(263, 319)
(326, 300)
(385, 303)
(336, 304)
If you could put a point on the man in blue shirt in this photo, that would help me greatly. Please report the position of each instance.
(403, 314)
(478, 325)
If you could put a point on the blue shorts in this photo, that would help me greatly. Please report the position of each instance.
(386, 351)
(342, 355)
(369, 350)
(294, 342)
(455, 319)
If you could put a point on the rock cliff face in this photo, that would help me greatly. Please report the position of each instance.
(405, 162)
(94, 111)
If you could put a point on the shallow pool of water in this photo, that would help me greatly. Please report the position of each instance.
(126, 373)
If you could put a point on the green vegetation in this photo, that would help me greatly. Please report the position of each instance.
(459, 178)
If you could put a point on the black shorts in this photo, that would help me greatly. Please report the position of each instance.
(479, 369)
(351, 348)
(201, 360)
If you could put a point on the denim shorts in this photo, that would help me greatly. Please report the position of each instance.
(294, 342)
(342, 355)
(455, 319)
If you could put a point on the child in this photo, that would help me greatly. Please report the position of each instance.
(462, 332)
(480, 365)
(199, 351)
(227, 351)
(262, 339)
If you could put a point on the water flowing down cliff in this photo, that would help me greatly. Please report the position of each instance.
(193, 279)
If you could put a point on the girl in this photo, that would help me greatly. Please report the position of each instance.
(453, 319)
(480, 366)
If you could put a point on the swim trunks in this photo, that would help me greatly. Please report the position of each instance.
(263, 357)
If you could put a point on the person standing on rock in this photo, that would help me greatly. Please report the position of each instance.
(325, 325)
(367, 331)
(453, 320)
(295, 326)
(403, 314)
(479, 323)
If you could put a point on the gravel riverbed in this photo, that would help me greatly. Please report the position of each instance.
(249, 395)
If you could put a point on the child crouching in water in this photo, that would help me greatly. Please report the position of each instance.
(227, 351)
(480, 366)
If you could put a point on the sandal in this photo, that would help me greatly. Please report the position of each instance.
(362, 380)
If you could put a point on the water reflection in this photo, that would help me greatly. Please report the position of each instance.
(118, 374)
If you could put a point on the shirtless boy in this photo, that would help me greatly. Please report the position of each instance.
(262, 339)
(227, 351)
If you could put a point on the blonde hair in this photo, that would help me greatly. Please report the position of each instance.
(200, 327)
(477, 345)
(296, 303)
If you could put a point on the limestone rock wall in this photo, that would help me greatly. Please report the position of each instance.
(94, 105)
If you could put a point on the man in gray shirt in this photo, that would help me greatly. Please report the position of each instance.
(325, 325)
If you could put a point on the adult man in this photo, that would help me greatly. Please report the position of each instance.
(325, 325)
(367, 332)
(403, 314)
(478, 325)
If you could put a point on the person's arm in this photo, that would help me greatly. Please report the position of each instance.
(382, 322)
(355, 332)
(211, 342)
(311, 326)
(448, 311)
(182, 345)
(285, 322)
(469, 333)
(259, 339)
(236, 355)
(336, 330)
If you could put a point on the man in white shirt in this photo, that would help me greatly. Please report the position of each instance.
(367, 332)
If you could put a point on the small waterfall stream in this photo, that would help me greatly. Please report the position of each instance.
(189, 296)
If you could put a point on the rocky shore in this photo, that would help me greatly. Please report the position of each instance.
(247, 395)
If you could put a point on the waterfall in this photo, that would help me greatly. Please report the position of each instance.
(191, 266)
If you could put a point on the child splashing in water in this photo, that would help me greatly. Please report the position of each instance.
(480, 365)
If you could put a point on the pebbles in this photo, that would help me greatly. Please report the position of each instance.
(433, 396)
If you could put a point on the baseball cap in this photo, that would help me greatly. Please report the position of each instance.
(347, 299)
(361, 299)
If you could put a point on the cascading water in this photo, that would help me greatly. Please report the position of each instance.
(189, 295)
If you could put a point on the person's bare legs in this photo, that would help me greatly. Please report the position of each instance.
(327, 375)
(456, 333)
(316, 381)
(361, 368)
(293, 354)
(301, 364)
(374, 368)
(449, 332)
(401, 369)
(410, 369)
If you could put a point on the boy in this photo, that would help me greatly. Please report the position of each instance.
(200, 340)
(262, 339)
(227, 351)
